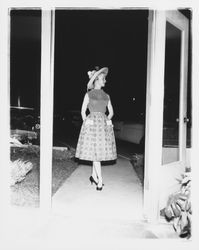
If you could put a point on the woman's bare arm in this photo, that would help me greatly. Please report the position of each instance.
(110, 110)
(84, 106)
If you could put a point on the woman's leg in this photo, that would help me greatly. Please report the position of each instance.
(97, 165)
(94, 173)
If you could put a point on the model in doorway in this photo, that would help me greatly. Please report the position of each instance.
(96, 141)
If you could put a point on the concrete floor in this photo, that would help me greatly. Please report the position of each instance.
(83, 218)
(120, 198)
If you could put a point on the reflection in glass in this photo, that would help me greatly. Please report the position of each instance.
(170, 141)
(25, 57)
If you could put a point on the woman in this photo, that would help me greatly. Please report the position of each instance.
(96, 141)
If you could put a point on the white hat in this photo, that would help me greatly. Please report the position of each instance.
(93, 74)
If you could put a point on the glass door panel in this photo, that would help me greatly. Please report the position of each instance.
(171, 110)
(25, 57)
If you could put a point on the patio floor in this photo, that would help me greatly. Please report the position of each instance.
(83, 218)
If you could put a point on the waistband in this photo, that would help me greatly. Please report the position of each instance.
(97, 112)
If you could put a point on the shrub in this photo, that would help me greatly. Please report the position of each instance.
(19, 170)
(178, 209)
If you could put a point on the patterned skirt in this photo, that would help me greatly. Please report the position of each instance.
(96, 139)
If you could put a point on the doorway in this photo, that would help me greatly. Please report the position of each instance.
(115, 52)
(116, 39)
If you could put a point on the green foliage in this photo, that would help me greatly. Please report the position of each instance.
(19, 170)
(178, 209)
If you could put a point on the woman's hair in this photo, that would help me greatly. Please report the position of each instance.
(97, 77)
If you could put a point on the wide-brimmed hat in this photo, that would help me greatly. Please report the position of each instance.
(93, 74)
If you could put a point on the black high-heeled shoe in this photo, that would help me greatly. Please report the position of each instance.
(92, 180)
(99, 188)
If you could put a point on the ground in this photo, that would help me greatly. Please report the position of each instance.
(26, 193)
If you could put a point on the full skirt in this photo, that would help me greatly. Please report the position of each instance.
(96, 139)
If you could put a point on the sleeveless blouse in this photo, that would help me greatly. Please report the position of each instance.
(98, 100)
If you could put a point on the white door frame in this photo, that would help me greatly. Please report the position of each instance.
(173, 170)
(154, 108)
(195, 120)
(4, 113)
(47, 106)
(158, 179)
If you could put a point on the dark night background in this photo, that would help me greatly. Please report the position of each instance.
(116, 39)
(25, 49)
(84, 39)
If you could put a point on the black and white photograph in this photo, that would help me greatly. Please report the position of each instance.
(99, 120)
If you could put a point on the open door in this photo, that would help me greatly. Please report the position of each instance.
(165, 152)
(175, 104)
